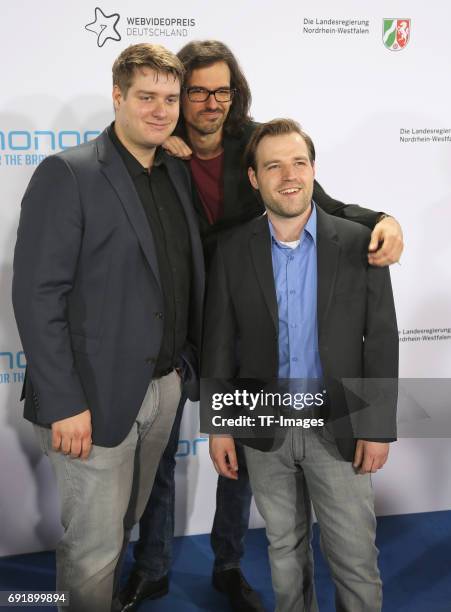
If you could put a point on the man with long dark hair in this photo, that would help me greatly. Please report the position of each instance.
(213, 131)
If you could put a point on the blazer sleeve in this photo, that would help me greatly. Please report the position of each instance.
(45, 262)
(379, 385)
(352, 212)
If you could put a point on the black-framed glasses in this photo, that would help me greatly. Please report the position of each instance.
(200, 94)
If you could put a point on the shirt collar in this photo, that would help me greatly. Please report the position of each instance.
(134, 167)
(309, 228)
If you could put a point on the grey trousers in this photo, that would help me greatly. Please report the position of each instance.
(344, 505)
(103, 497)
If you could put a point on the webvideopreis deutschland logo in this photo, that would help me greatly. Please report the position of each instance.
(395, 33)
(138, 27)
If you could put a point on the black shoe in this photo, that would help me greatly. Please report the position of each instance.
(140, 587)
(242, 596)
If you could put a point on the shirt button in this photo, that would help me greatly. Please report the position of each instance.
(291, 257)
(293, 325)
(294, 359)
(159, 315)
(150, 360)
(292, 291)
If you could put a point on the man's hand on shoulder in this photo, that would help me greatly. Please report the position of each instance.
(177, 147)
(386, 243)
(73, 435)
(223, 455)
(370, 456)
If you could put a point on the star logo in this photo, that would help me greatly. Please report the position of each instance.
(104, 26)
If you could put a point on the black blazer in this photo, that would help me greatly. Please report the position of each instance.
(87, 293)
(357, 327)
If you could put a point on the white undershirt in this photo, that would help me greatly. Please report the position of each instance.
(291, 245)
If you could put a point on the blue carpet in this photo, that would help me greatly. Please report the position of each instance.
(415, 562)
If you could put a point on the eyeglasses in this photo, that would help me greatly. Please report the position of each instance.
(200, 94)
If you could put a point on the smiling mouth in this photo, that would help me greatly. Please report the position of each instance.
(159, 126)
(290, 190)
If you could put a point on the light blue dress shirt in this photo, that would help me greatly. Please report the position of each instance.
(295, 276)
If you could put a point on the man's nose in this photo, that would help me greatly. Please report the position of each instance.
(288, 173)
(159, 109)
(211, 103)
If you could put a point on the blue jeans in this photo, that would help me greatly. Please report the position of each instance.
(233, 503)
(153, 551)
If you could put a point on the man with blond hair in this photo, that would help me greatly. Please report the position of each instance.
(107, 291)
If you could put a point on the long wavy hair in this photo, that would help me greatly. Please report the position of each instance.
(202, 53)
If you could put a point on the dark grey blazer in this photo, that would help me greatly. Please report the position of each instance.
(87, 292)
(357, 328)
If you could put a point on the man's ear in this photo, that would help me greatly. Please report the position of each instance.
(252, 177)
(117, 97)
(314, 169)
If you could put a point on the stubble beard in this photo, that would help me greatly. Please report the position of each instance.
(285, 212)
(204, 128)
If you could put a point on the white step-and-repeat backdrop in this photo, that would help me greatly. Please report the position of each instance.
(370, 83)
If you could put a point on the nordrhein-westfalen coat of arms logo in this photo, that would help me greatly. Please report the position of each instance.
(395, 33)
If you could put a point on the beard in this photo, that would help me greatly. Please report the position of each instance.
(204, 126)
(284, 212)
(289, 210)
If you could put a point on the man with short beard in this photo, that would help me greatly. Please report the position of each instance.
(292, 299)
(214, 129)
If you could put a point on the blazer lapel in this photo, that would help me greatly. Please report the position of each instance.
(260, 245)
(116, 173)
(328, 251)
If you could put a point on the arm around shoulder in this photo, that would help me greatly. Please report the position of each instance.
(352, 212)
(386, 244)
